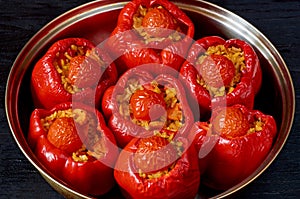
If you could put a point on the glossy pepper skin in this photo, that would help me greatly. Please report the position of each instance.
(46, 84)
(94, 176)
(124, 129)
(127, 44)
(182, 181)
(228, 156)
(245, 90)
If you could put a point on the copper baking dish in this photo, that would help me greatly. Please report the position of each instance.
(97, 19)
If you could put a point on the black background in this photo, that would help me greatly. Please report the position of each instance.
(278, 20)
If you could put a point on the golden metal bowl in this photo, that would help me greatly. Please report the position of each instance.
(96, 20)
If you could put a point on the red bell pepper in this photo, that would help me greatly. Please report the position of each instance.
(155, 31)
(155, 168)
(220, 73)
(141, 101)
(72, 69)
(232, 145)
(73, 142)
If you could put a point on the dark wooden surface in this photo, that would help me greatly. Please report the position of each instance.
(278, 20)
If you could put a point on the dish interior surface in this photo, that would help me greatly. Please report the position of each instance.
(276, 96)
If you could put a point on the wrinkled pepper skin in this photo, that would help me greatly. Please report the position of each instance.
(106, 105)
(124, 129)
(244, 92)
(94, 176)
(182, 181)
(224, 161)
(46, 84)
(126, 44)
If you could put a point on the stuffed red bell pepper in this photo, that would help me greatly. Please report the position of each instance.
(72, 69)
(141, 101)
(232, 145)
(115, 105)
(73, 142)
(155, 31)
(157, 168)
(220, 73)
